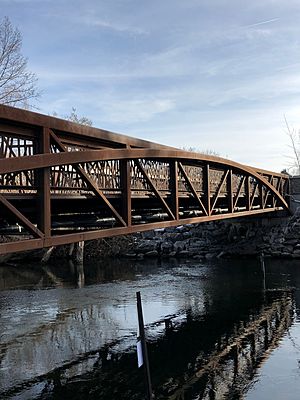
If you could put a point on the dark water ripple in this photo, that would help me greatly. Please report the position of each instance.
(70, 332)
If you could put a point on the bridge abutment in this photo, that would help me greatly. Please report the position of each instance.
(294, 193)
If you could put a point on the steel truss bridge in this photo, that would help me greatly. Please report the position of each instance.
(62, 183)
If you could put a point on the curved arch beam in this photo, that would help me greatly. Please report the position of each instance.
(38, 161)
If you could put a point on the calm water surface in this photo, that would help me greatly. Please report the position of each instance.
(215, 330)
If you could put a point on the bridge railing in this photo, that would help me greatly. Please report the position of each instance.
(62, 182)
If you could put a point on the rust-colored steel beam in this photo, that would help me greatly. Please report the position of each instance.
(43, 185)
(23, 118)
(174, 188)
(207, 187)
(63, 182)
(242, 183)
(230, 191)
(125, 181)
(75, 157)
(154, 189)
(20, 217)
(192, 189)
(90, 183)
(32, 244)
(223, 181)
(253, 195)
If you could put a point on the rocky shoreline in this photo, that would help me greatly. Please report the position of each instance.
(221, 239)
(245, 237)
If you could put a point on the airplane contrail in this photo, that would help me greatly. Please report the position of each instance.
(262, 22)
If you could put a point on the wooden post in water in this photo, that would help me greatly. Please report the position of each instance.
(145, 360)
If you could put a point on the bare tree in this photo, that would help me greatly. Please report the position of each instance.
(74, 117)
(294, 136)
(208, 152)
(17, 84)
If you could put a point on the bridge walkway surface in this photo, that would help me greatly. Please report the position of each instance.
(61, 183)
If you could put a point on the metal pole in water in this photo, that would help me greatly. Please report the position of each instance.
(143, 357)
(263, 267)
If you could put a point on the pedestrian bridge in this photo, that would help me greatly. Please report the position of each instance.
(62, 183)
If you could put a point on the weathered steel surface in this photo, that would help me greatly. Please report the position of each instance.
(61, 182)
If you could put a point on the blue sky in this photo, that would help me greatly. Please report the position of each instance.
(215, 74)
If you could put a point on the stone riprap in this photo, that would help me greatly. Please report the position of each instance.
(228, 238)
(244, 237)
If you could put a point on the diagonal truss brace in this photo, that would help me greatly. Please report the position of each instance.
(191, 187)
(20, 217)
(253, 195)
(156, 192)
(239, 192)
(224, 178)
(90, 183)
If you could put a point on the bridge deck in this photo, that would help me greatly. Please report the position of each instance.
(61, 182)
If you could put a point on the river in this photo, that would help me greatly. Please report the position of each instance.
(215, 330)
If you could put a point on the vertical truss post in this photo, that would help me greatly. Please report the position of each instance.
(174, 188)
(207, 187)
(230, 192)
(261, 196)
(125, 178)
(273, 197)
(248, 193)
(43, 185)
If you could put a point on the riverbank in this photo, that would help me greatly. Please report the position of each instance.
(217, 239)
(240, 237)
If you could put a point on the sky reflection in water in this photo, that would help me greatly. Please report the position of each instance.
(71, 332)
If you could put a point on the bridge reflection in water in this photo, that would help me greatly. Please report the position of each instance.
(231, 367)
(209, 327)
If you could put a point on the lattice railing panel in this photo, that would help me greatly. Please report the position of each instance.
(158, 172)
(216, 177)
(12, 147)
(65, 179)
(195, 174)
(15, 147)
(138, 182)
(106, 174)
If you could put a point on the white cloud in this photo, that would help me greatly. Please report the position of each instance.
(134, 111)
(114, 26)
(220, 73)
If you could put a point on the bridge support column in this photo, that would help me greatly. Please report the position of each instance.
(79, 250)
(47, 255)
(80, 274)
(76, 252)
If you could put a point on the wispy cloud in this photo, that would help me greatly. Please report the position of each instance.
(111, 25)
(134, 111)
(220, 73)
(268, 21)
